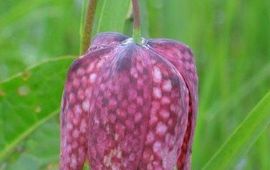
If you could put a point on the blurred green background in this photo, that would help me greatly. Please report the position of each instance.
(230, 39)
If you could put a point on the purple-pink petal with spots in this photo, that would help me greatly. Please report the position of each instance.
(129, 106)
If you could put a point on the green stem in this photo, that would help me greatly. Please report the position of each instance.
(88, 25)
(136, 23)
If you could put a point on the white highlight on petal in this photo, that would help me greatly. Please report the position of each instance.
(73, 162)
(86, 105)
(161, 128)
(99, 64)
(157, 92)
(167, 85)
(157, 147)
(96, 120)
(164, 114)
(75, 133)
(81, 151)
(150, 138)
(69, 126)
(155, 105)
(108, 159)
(78, 109)
(75, 82)
(69, 148)
(93, 77)
(165, 100)
(75, 120)
(173, 108)
(153, 119)
(138, 117)
(157, 76)
(90, 67)
(83, 126)
(132, 157)
(134, 72)
(71, 98)
(80, 71)
(74, 144)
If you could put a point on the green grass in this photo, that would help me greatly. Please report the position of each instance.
(231, 43)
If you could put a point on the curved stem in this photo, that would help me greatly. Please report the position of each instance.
(136, 22)
(88, 25)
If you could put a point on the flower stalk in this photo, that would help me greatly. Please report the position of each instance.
(88, 25)
(136, 22)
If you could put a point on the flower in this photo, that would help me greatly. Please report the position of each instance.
(129, 106)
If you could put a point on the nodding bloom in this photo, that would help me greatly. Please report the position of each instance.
(129, 106)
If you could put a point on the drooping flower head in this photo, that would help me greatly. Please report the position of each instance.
(129, 106)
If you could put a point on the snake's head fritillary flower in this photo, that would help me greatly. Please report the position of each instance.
(129, 106)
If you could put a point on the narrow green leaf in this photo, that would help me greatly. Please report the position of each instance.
(40, 149)
(29, 99)
(110, 16)
(243, 137)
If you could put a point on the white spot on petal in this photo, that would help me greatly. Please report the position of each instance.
(83, 126)
(167, 85)
(164, 114)
(75, 121)
(155, 105)
(157, 92)
(165, 100)
(93, 77)
(157, 76)
(157, 147)
(78, 109)
(116, 136)
(161, 129)
(69, 126)
(71, 98)
(149, 167)
(134, 72)
(150, 138)
(99, 64)
(96, 120)
(69, 148)
(139, 67)
(132, 94)
(85, 105)
(76, 83)
(108, 159)
(81, 94)
(75, 133)
(153, 119)
(81, 151)
(139, 100)
(173, 108)
(90, 67)
(138, 117)
(80, 71)
(74, 145)
(132, 157)
(73, 162)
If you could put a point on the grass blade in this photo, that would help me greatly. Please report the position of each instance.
(243, 137)
(110, 16)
